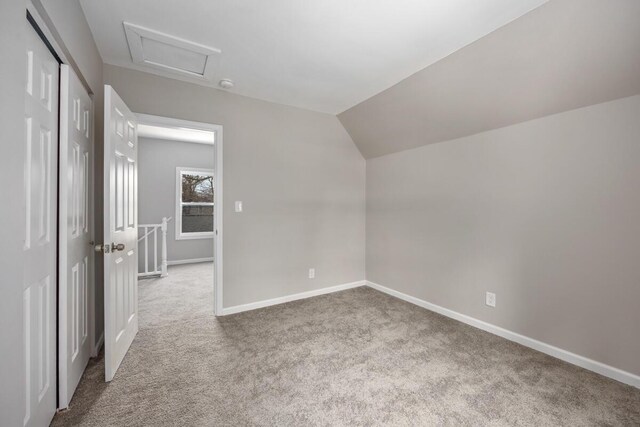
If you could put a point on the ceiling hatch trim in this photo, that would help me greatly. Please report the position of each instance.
(169, 53)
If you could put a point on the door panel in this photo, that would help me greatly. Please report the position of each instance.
(40, 187)
(121, 227)
(76, 252)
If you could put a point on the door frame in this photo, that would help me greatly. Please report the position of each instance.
(147, 119)
(38, 18)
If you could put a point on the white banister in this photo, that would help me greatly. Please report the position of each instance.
(146, 251)
(148, 230)
(155, 249)
(164, 247)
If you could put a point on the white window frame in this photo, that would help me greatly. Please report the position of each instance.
(189, 236)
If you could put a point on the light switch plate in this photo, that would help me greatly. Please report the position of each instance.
(238, 206)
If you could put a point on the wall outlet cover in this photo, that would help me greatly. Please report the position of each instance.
(490, 299)
(312, 273)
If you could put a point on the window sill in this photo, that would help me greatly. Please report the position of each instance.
(195, 236)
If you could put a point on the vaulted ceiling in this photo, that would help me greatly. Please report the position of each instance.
(323, 55)
(563, 55)
(398, 73)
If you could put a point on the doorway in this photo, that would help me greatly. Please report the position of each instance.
(180, 214)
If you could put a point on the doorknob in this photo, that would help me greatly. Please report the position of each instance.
(109, 248)
(117, 247)
(101, 248)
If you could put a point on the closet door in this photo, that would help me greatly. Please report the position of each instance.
(76, 219)
(40, 232)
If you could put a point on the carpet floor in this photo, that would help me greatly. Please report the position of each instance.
(357, 357)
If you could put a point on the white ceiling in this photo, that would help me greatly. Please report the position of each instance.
(322, 55)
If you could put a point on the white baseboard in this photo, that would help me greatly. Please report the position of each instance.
(189, 261)
(288, 298)
(575, 359)
(96, 348)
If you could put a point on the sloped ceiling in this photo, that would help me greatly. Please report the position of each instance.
(563, 55)
(322, 55)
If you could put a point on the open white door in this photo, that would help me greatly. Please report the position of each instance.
(120, 230)
(75, 252)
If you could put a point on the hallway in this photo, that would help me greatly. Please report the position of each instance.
(185, 294)
(173, 311)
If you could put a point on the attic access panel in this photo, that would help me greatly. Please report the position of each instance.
(169, 53)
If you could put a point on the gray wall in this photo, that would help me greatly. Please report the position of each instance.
(77, 42)
(157, 162)
(545, 213)
(301, 178)
(12, 47)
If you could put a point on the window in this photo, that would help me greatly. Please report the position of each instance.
(194, 203)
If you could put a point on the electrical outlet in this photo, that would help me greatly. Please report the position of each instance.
(312, 273)
(490, 299)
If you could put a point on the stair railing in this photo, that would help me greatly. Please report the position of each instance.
(148, 230)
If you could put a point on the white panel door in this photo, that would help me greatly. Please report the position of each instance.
(40, 187)
(76, 253)
(120, 230)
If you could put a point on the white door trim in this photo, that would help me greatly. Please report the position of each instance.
(147, 119)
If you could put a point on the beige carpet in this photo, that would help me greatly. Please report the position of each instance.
(357, 357)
